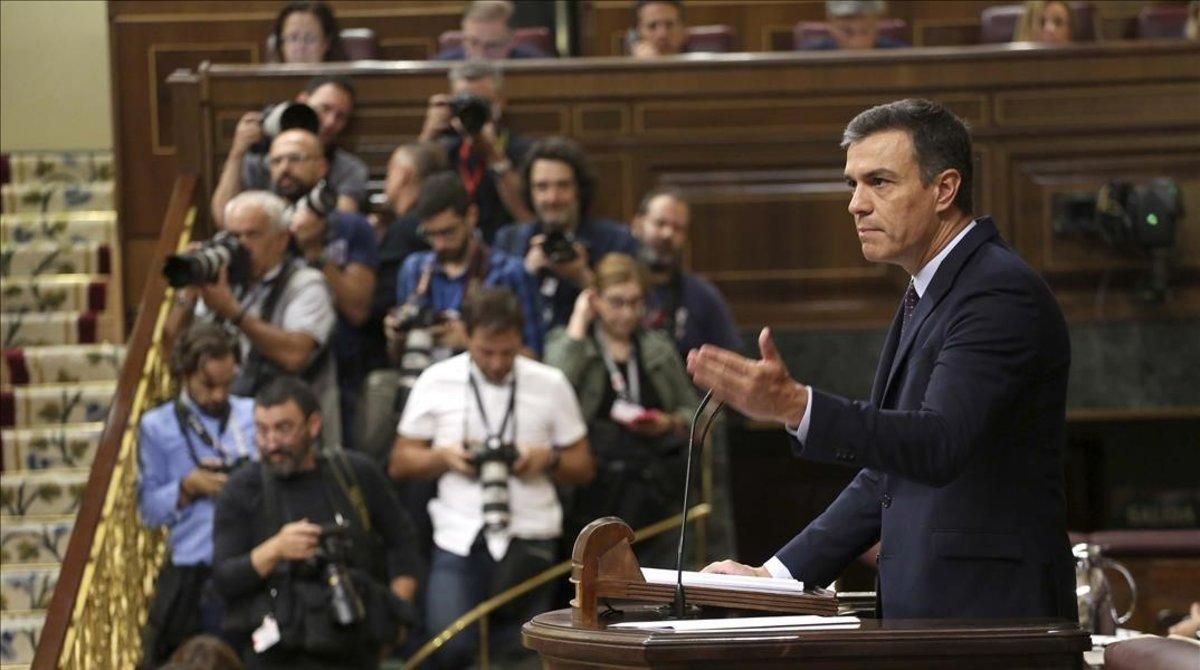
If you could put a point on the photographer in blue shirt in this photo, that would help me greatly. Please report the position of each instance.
(187, 447)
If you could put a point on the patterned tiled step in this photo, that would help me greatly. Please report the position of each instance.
(40, 166)
(61, 364)
(18, 639)
(30, 541)
(55, 293)
(53, 404)
(27, 588)
(32, 329)
(69, 446)
(48, 258)
(42, 493)
(59, 227)
(57, 197)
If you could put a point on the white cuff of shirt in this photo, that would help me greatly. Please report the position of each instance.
(777, 569)
(800, 432)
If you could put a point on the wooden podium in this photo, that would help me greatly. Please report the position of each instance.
(604, 567)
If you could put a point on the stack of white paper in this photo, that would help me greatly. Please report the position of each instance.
(805, 621)
(734, 582)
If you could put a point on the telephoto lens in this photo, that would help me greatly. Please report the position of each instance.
(203, 266)
(494, 461)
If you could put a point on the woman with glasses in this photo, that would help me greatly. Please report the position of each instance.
(306, 32)
(636, 399)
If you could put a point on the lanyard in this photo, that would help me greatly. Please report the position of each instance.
(494, 439)
(631, 391)
(470, 169)
(190, 423)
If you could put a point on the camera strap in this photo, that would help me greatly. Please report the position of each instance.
(627, 386)
(189, 423)
(471, 168)
(494, 440)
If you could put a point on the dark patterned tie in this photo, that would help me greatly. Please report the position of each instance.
(910, 305)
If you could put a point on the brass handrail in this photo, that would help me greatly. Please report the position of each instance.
(107, 577)
(480, 611)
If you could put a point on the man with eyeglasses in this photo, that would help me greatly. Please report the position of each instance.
(853, 24)
(486, 34)
(247, 165)
(433, 284)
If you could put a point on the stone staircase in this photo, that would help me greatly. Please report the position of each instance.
(62, 332)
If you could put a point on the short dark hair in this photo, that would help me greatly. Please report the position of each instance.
(565, 151)
(206, 651)
(439, 192)
(427, 158)
(941, 140)
(328, 23)
(203, 341)
(492, 309)
(341, 81)
(637, 8)
(285, 388)
(672, 192)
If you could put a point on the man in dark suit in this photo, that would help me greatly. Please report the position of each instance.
(961, 442)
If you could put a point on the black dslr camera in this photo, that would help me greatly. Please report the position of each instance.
(285, 116)
(494, 460)
(203, 265)
(333, 553)
(559, 246)
(472, 111)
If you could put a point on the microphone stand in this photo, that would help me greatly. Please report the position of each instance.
(680, 604)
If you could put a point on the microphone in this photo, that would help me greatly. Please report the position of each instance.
(680, 600)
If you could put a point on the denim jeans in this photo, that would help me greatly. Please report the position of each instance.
(458, 583)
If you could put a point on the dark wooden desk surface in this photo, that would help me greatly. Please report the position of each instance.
(1029, 643)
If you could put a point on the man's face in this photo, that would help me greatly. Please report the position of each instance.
(483, 87)
(662, 231)
(264, 243)
(661, 25)
(448, 234)
(493, 351)
(333, 106)
(555, 194)
(285, 437)
(296, 162)
(208, 386)
(894, 213)
(486, 39)
(854, 32)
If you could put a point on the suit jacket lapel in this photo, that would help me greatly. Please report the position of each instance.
(984, 231)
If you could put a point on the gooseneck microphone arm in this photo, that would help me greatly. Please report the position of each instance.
(680, 599)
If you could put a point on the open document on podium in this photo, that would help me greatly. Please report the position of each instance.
(805, 621)
(731, 582)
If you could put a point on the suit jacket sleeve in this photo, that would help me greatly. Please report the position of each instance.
(843, 531)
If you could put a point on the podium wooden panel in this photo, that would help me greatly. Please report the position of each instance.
(878, 645)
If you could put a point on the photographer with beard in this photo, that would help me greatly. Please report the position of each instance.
(312, 552)
(339, 244)
(187, 447)
(563, 244)
(685, 305)
(331, 99)
(432, 285)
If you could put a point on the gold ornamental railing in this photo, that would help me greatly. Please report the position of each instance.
(107, 576)
(479, 614)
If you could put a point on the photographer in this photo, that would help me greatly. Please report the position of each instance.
(186, 448)
(497, 431)
(280, 308)
(332, 101)
(312, 551)
(563, 244)
(432, 285)
(469, 123)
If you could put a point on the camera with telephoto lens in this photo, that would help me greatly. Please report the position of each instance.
(472, 111)
(494, 460)
(559, 246)
(285, 116)
(411, 316)
(334, 547)
(321, 200)
(203, 265)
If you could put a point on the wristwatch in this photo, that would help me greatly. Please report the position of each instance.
(501, 168)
